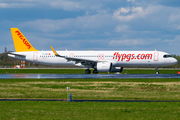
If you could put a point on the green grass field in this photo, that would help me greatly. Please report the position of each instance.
(82, 71)
(111, 89)
(134, 89)
(34, 110)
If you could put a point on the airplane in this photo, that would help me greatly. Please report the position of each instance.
(100, 61)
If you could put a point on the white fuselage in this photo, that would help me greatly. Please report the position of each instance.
(117, 58)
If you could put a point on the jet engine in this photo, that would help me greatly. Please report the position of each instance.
(107, 67)
(103, 66)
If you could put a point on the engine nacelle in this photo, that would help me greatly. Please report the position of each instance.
(107, 67)
(103, 66)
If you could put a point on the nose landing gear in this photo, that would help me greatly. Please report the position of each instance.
(157, 72)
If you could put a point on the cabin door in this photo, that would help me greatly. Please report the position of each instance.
(156, 56)
(35, 56)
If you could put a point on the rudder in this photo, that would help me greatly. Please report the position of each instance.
(21, 44)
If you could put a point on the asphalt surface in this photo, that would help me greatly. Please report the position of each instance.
(85, 76)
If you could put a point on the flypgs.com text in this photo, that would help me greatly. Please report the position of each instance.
(129, 57)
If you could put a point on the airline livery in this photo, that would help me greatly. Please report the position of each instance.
(100, 61)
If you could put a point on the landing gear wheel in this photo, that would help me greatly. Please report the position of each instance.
(157, 72)
(87, 71)
(95, 72)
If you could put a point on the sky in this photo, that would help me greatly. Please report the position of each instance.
(93, 24)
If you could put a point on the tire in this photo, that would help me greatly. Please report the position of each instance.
(95, 72)
(157, 72)
(87, 71)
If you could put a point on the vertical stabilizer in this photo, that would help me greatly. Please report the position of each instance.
(21, 44)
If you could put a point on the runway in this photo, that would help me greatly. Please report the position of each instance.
(14, 99)
(85, 76)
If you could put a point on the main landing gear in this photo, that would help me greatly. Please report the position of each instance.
(157, 72)
(87, 71)
(95, 71)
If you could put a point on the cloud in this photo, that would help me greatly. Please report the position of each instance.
(173, 41)
(130, 0)
(16, 5)
(174, 17)
(150, 18)
(133, 42)
(67, 5)
(121, 28)
(130, 13)
(86, 22)
(126, 14)
(171, 45)
(57, 4)
(127, 42)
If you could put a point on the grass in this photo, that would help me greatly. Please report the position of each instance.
(115, 89)
(43, 110)
(82, 71)
(134, 89)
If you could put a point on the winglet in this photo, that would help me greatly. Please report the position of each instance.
(55, 53)
(53, 50)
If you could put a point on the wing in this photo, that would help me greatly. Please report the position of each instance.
(77, 60)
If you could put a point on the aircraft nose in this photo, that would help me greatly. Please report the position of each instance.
(175, 61)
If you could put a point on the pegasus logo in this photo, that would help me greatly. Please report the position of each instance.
(23, 39)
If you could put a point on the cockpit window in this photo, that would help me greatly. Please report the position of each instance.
(166, 56)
